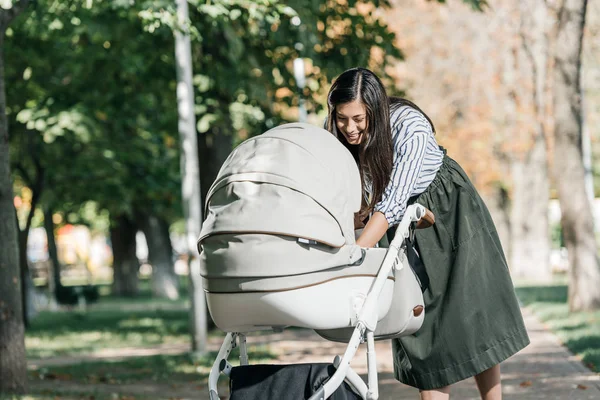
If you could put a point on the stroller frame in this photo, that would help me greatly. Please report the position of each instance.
(363, 331)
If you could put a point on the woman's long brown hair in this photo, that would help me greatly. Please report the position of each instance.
(374, 155)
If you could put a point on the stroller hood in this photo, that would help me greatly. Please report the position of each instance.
(294, 180)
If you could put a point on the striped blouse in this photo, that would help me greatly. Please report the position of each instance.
(417, 158)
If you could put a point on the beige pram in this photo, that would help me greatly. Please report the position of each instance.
(278, 250)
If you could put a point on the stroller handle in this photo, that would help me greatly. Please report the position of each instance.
(367, 321)
(426, 220)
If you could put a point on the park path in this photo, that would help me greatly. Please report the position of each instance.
(543, 370)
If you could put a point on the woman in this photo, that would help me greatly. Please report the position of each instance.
(473, 321)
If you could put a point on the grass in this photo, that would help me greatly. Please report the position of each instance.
(578, 331)
(118, 323)
(112, 322)
(163, 369)
(69, 333)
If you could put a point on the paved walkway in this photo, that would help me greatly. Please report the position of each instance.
(543, 370)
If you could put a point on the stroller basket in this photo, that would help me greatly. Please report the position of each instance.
(278, 249)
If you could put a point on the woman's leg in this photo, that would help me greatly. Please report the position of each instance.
(488, 383)
(436, 394)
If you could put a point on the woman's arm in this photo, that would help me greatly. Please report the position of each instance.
(411, 133)
(374, 230)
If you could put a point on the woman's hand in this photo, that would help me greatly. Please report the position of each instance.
(374, 230)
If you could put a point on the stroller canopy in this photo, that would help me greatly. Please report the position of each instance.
(294, 180)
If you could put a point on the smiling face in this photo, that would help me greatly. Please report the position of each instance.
(351, 121)
(358, 116)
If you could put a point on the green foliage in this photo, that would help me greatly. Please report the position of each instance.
(94, 106)
(91, 88)
(250, 59)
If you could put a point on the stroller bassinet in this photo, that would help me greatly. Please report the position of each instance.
(278, 249)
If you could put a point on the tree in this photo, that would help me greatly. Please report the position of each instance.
(125, 265)
(35, 180)
(165, 282)
(484, 85)
(13, 366)
(527, 99)
(190, 173)
(577, 217)
(249, 48)
(117, 134)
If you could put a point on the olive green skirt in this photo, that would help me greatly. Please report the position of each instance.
(472, 316)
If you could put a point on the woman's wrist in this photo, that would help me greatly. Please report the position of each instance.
(373, 231)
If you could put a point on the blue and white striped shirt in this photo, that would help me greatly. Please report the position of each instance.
(417, 158)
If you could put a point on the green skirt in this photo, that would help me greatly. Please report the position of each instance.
(472, 316)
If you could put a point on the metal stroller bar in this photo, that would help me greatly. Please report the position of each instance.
(221, 364)
(355, 381)
(243, 349)
(368, 314)
(372, 360)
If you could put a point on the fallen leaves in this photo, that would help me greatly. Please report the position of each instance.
(526, 384)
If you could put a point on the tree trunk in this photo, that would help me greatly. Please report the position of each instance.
(54, 283)
(525, 74)
(530, 246)
(160, 255)
(125, 261)
(27, 288)
(214, 147)
(13, 365)
(190, 175)
(577, 217)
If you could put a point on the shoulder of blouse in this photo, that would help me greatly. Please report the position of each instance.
(406, 122)
(403, 113)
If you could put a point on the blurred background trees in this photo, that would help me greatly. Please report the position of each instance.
(578, 215)
(491, 83)
(91, 108)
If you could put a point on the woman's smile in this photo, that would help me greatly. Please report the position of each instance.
(351, 121)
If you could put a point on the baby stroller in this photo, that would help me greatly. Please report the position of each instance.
(277, 249)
